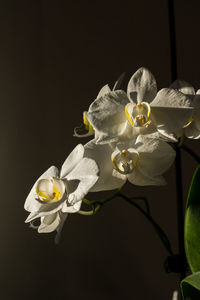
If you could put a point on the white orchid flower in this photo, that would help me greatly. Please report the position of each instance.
(141, 163)
(192, 128)
(88, 127)
(120, 116)
(55, 194)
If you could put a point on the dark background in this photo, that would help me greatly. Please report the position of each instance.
(54, 58)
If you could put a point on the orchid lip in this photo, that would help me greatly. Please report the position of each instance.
(138, 115)
(124, 161)
(50, 190)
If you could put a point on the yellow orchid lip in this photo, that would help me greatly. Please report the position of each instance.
(124, 161)
(138, 115)
(50, 190)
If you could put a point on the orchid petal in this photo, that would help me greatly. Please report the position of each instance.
(105, 139)
(106, 114)
(72, 160)
(191, 131)
(118, 83)
(142, 86)
(171, 119)
(103, 91)
(165, 136)
(196, 101)
(71, 208)
(102, 155)
(197, 118)
(183, 86)
(155, 156)
(138, 178)
(51, 222)
(63, 217)
(45, 210)
(86, 173)
(171, 98)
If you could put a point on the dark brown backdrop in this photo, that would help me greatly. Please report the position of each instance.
(55, 56)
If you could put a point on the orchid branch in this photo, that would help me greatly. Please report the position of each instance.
(157, 228)
(98, 202)
(90, 212)
(145, 202)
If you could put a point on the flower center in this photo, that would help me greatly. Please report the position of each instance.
(50, 190)
(125, 161)
(138, 115)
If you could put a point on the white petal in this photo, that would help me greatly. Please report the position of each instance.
(169, 137)
(198, 92)
(118, 83)
(72, 160)
(138, 178)
(103, 91)
(63, 217)
(155, 157)
(45, 210)
(183, 86)
(86, 174)
(196, 101)
(31, 204)
(105, 139)
(171, 119)
(171, 98)
(71, 208)
(102, 155)
(107, 115)
(197, 118)
(142, 86)
(192, 132)
(50, 223)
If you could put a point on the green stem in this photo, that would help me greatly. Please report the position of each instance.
(163, 237)
(189, 151)
(145, 201)
(180, 211)
(157, 228)
(98, 202)
(90, 202)
(90, 212)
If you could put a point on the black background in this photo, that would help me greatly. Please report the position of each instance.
(54, 58)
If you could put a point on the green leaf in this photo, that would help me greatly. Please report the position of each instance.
(192, 237)
(194, 190)
(192, 224)
(190, 287)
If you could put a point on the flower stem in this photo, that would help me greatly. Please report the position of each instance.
(157, 228)
(145, 202)
(90, 212)
(180, 212)
(98, 202)
(194, 155)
